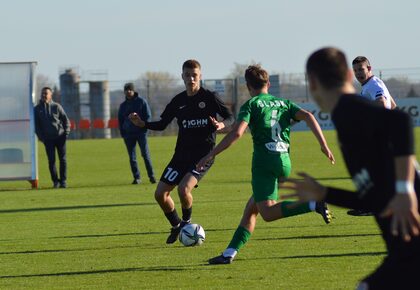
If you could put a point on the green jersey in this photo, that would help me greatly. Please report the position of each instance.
(269, 120)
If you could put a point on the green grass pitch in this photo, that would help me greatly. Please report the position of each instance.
(104, 233)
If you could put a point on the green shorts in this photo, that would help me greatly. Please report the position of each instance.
(266, 171)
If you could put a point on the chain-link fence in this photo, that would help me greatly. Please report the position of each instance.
(402, 83)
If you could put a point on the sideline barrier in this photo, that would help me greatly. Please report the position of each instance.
(113, 123)
(408, 105)
(84, 124)
(72, 125)
(98, 124)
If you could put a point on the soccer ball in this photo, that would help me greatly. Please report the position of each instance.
(192, 235)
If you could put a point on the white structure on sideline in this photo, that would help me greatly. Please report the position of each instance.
(18, 146)
(409, 105)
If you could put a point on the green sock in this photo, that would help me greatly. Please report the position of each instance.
(291, 208)
(239, 239)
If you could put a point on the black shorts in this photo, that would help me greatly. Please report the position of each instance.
(183, 163)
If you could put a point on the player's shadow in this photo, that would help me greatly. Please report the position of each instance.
(328, 178)
(29, 252)
(75, 207)
(75, 186)
(361, 254)
(341, 255)
(108, 235)
(107, 271)
(334, 178)
(318, 237)
(279, 227)
(96, 236)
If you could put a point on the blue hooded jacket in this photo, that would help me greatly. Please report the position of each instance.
(135, 105)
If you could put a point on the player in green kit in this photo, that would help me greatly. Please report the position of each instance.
(269, 119)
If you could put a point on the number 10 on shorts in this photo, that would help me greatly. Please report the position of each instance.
(170, 174)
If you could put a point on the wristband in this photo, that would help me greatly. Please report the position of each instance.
(404, 187)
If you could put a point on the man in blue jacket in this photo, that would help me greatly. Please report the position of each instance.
(52, 128)
(133, 134)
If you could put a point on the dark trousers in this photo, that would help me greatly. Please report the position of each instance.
(130, 143)
(400, 268)
(50, 146)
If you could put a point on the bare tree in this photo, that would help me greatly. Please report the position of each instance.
(238, 69)
(399, 87)
(159, 88)
(412, 93)
(237, 73)
(156, 83)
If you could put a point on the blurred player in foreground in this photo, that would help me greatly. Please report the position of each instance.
(377, 146)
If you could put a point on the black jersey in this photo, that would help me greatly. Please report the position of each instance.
(196, 131)
(370, 138)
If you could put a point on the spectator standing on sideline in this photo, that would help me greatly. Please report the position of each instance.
(133, 134)
(52, 128)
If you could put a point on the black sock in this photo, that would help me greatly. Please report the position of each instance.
(173, 218)
(186, 214)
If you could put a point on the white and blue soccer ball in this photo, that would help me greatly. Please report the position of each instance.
(192, 235)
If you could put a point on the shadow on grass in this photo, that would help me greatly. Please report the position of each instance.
(369, 254)
(109, 235)
(108, 271)
(78, 250)
(318, 237)
(360, 254)
(76, 207)
(332, 178)
(280, 227)
(55, 208)
(122, 184)
(73, 186)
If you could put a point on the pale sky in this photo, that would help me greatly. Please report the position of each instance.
(128, 37)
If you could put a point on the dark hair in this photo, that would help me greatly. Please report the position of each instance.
(329, 66)
(360, 59)
(191, 63)
(129, 86)
(256, 77)
(46, 88)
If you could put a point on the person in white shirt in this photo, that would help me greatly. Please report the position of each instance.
(373, 88)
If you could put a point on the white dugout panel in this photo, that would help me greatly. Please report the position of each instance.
(18, 148)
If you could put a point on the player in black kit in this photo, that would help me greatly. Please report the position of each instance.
(377, 146)
(196, 111)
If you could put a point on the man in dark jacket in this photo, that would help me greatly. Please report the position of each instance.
(133, 134)
(52, 128)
